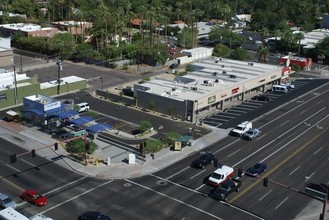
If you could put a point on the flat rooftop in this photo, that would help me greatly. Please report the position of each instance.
(209, 76)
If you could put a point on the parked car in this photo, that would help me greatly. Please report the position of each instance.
(288, 85)
(94, 216)
(261, 98)
(251, 134)
(204, 159)
(225, 189)
(34, 197)
(6, 202)
(256, 170)
(83, 107)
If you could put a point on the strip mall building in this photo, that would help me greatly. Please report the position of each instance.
(213, 85)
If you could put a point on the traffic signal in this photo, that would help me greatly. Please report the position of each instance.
(265, 182)
(13, 158)
(33, 153)
(239, 172)
(56, 146)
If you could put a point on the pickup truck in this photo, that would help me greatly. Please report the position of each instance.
(204, 159)
(225, 189)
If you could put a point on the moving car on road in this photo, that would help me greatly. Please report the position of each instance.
(34, 197)
(225, 189)
(220, 175)
(204, 159)
(256, 170)
(251, 134)
(241, 128)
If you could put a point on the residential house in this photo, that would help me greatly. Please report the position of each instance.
(73, 27)
(29, 30)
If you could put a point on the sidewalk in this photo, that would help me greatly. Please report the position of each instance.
(118, 167)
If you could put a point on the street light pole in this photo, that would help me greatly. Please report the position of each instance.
(15, 85)
(60, 68)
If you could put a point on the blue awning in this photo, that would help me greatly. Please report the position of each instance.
(66, 114)
(98, 127)
(82, 120)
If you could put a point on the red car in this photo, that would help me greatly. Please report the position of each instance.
(34, 197)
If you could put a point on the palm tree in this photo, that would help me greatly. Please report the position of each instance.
(299, 37)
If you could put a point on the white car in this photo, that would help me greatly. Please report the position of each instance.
(6, 202)
(83, 107)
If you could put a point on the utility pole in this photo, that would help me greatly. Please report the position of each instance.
(15, 85)
(60, 68)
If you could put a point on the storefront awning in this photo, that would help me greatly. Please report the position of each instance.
(96, 128)
(82, 120)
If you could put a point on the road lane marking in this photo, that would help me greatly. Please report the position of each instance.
(281, 203)
(261, 198)
(200, 187)
(75, 197)
(11, 183)
(65, 185)
(13, 168)
(278, 138)
(28, 163)
(284, 123)
(176, 184)
(309, 177)
(197, 174)
(301, 134)
(58, 188)
(174, 199)
(178, 172)
(233, 153)
(294, 170)
(317, 151)
(278, 166)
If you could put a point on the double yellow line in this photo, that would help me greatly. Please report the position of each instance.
(241, 193)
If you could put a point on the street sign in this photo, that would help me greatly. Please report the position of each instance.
(315, 192)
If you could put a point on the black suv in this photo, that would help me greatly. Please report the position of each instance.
(204, 159)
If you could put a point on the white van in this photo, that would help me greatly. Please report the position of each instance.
(83, 107)
(279, 89)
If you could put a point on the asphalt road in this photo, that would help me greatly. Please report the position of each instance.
(293, 145)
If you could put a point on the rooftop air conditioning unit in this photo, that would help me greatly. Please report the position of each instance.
(224, 73)
(232, 76)
(194, 88)
(251, 64)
